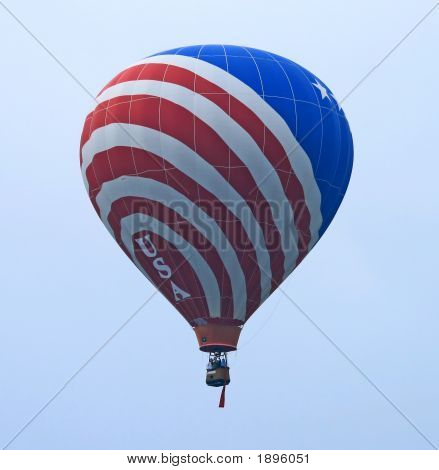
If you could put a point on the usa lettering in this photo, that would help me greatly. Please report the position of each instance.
(164, 271)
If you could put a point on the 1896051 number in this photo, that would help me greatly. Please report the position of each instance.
(283, 458)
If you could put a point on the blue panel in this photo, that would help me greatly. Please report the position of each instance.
(275, 83)
(237, 51)
(245, 69)
(191, 51)
(304, 102)
(257, 53)
(284, 106)
(212, 49)
(218, 60)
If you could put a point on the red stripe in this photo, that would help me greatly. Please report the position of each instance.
(120, 161)
(131, 205)
(246, 118)
(182, 275)
(86, 132)
(188, 129)
(191, 308)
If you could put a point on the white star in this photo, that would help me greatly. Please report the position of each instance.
(322, 89)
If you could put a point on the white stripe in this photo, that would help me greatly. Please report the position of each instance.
(191, 164)
(134, 186)
(136, 222)
(299, 160)
(242, 144)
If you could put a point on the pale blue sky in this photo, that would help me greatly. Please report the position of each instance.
(371, 283)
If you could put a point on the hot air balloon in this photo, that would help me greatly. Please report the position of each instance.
(216, 169)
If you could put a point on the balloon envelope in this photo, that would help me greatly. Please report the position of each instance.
(216, 169)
